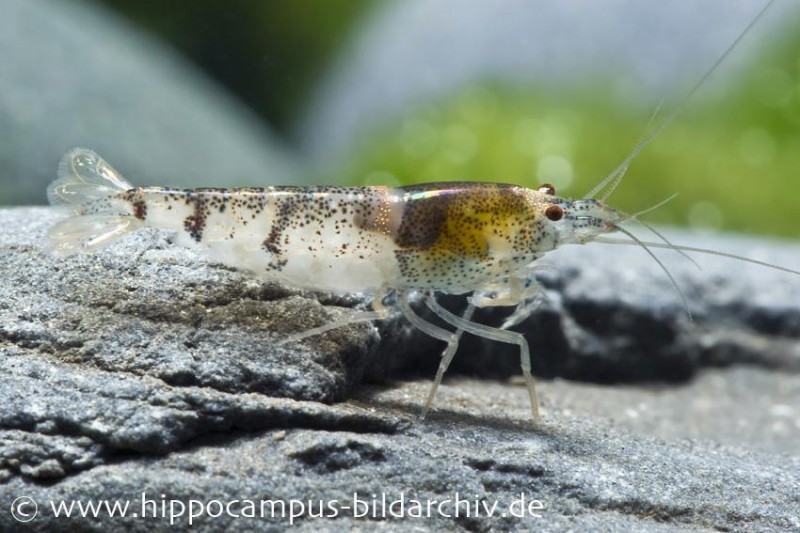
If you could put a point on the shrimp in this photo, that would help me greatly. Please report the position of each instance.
(451, 238)
(482, 239)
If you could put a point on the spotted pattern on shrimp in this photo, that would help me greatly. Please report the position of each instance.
(328, 224)
(446, 236)
(464, 234)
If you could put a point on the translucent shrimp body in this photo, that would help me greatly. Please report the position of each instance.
(449, 237)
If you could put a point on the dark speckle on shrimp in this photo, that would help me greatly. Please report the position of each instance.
(195, 223)
(137, 203)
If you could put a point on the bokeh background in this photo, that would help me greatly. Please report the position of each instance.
(243, 92)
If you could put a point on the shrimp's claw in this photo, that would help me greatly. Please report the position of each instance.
(92, 189)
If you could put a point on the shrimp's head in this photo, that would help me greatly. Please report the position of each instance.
(579, 221)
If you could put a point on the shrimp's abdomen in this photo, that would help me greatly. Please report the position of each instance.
(307, 237)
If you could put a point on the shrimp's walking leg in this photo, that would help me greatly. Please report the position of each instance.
(447, 358)
(379, 312)
(437, 333)
(500, 335)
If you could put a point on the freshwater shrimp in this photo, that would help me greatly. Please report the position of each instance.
(451, 238)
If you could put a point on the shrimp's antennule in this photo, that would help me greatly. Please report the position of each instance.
(88, 186)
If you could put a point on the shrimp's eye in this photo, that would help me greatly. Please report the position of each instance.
(546, 188)
(554, 212)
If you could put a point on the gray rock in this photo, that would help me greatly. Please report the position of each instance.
(144, 355)
(741, 406)
(587, 475)
(411, 53)
(142, 372)
(74, 75)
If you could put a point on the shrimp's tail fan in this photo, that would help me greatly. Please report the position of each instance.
(91, 189)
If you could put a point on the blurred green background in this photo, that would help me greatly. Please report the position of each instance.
(268, 53)
(733, 158)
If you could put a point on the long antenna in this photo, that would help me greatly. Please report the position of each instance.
(611, 240)
(644, 245)
(615, 174)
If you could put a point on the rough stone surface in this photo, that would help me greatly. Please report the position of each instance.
(144, 370)
(74, 75)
